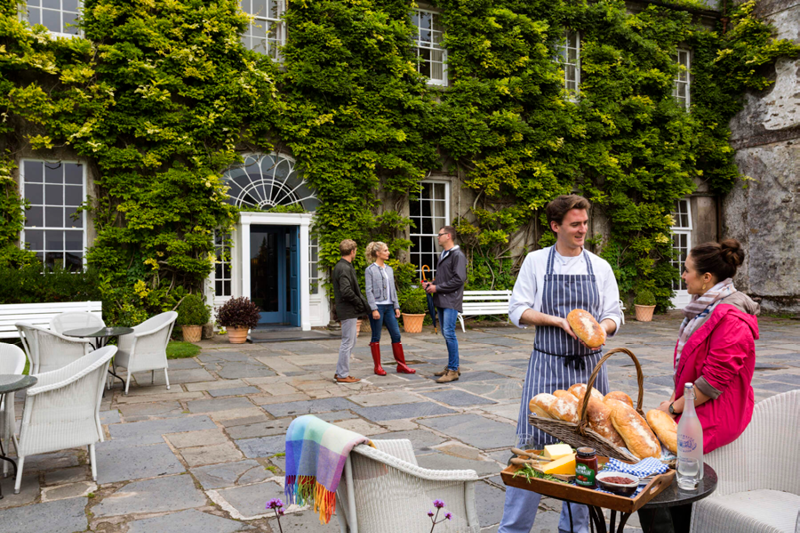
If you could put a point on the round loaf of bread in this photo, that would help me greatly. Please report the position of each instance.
(665, 428)
(619, 395)
(638, 436)
(586, 328)
(541, 404)
(598, 414)
(579, 389)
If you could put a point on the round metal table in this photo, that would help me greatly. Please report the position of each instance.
(101, 338)
(654, 515)
(9, 384)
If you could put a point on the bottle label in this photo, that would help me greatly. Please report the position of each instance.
(584, 475)
(686, 443)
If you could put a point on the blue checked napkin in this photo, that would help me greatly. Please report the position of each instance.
(645, 467)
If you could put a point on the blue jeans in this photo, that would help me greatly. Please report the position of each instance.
(388, 318)
(447, 320)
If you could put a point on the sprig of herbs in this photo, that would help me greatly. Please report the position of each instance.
(529, 472)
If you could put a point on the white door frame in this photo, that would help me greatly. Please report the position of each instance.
(303, 220)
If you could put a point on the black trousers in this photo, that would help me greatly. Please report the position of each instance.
(676, 519)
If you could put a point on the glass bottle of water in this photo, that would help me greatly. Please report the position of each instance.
(690, 443)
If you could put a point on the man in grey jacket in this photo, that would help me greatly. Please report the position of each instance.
(448, 296)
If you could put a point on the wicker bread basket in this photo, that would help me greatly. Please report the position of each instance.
(581, 434)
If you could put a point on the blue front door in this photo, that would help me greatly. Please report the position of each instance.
(274, 273)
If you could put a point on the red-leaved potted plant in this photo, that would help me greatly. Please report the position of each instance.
(238, 316)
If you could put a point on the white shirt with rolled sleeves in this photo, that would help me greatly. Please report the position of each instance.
(527, 292)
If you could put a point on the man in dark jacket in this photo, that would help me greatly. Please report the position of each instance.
(448, 296)
(350, 304)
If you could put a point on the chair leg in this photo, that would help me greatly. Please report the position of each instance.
(18, 482)
(152, 377)
(5, 463)
(93, 460)
(127, 382)
(461, 319)
(166, 378)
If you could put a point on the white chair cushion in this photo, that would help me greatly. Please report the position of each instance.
(756, 511)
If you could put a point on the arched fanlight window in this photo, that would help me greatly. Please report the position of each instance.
(267, 181)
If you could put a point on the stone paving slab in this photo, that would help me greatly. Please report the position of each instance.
(457, 398)
(474, 430)
(227, 475)
(211, 454)
(160, 427)
(248, 502)
(135, 462)
(172, 493)
(308, 407)
(62, 516)
(262, 446)
(239, 391)
(185, 521)
(218, 404)
(260, 429)
(407, 410)
(443, 461)
(197, 438)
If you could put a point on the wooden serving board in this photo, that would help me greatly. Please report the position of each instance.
(586, 496)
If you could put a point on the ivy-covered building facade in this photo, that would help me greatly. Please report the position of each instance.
(227, 147)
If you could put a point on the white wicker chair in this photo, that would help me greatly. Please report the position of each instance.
(63, 409)
(759, 474)
(47, 350)
(146, 347)
(383, 490)
(12, 361)
(67, 321)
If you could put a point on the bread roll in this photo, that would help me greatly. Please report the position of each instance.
(579, 389)
(598, 415)
(549, 406)
(665, 428)
(619, 395)
(566, 396)
(586, 328)
(638, 437)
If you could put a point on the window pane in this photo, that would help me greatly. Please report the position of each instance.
(53, 217)
(218, 287)
(54, 240)
(34, 193)
(34, 239)
(53, 173)
(34, 217)
(34, 16)
(53, 195)
(52, 19)
(73, 173)
(73, 240)
(52, 4)
(71, 23)
(218, 270)
(74, 261)
(71, 218)
(427, 225)
(260, 8)
(33, 171)
(54, 259)
(72, 195)
(70, 5)
(227, 288)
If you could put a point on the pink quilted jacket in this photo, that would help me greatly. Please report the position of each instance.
(723, 351)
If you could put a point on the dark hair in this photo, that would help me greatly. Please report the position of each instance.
(451, 230)
(720, 259)
(559, 207)
(347, 246)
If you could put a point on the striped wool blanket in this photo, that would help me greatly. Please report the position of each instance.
(316, 452)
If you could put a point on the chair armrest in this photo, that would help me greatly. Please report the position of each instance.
(150, 331)
(57, 379)
(414, 470)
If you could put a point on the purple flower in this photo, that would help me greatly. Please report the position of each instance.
(430, 513)
(438, 504)
(274, 503)
(448, 516)
(280, 512)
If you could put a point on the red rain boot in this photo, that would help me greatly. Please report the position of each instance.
(376, 358)
(397, 351)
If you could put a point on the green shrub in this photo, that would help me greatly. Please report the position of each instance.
(193, 311)
(644, 297)
(238, 313)
(413, 301)
(30, 284)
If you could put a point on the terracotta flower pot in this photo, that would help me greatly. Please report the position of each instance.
(644, 313)
(237, 335)
(192, 333)
(413, 323)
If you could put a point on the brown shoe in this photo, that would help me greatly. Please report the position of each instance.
(348, 379)
(443, 372)
(451, 375)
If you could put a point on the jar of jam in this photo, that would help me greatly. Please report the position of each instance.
(586, 468)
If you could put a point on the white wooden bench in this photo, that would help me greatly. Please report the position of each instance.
(40, 314)
(478, 303)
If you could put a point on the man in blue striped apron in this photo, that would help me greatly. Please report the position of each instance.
(551, 283)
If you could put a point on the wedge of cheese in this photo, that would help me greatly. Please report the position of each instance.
(565, 466)
(557, 451)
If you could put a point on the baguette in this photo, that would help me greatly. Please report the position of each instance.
(638, 436)
(541, 403)
(619, 395)
(665, 428)
(598, 414)
(586, 328)
(550, 406)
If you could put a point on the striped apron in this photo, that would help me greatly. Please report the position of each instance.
(558, 361)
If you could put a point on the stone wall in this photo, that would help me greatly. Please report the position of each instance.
(763, 212)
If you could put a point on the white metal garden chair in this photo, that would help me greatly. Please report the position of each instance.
(74, 320)
(63, 410)
(759, 474)
(146, 348)
(12, 361)
(383, 490)
(48, 350)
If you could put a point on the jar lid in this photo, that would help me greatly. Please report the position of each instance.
(586, 452)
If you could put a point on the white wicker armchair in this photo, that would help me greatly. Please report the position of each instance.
(759, 474)
(63, 409)
(384, 491)
(74, 320)
(146, 347)
(12, 361)
(47, 350)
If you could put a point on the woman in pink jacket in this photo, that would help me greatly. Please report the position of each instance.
(716, 352)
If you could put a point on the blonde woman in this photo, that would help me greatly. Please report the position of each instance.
(383, 306)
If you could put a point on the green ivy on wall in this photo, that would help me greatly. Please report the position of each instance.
(161, 97)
